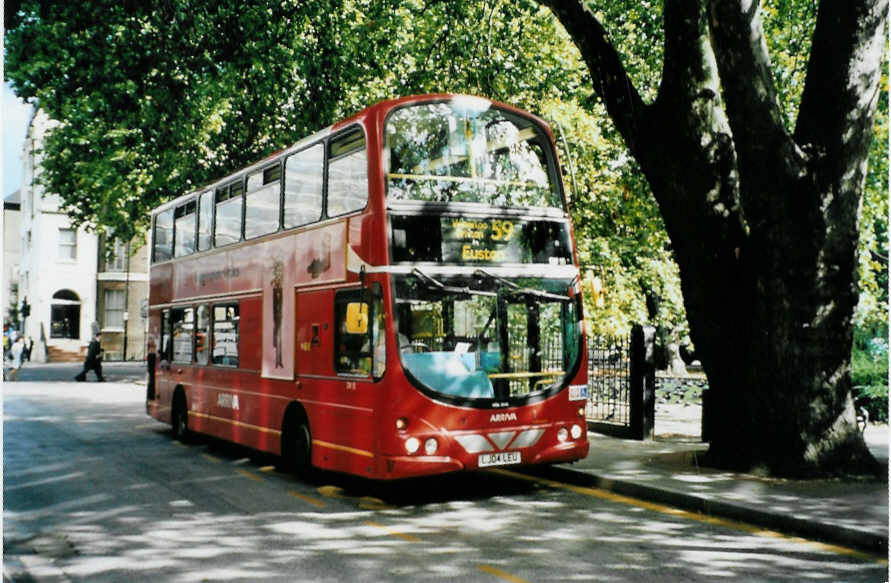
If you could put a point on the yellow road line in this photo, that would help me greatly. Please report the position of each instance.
(501, 574)
(697, 516)
(211, 458)
(402, 535)
(307, 499)
(250, 475)
(267, 469)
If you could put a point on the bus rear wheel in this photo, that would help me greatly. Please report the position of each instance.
(179, 418)
(297, 448)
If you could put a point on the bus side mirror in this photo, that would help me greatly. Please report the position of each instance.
(357, 318)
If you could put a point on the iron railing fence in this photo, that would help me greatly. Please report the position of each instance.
(609, 380)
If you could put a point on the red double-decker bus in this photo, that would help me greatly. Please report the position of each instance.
(396, 295)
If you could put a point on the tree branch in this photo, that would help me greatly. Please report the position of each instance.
(841, 90)
(689, 62)
(610, 79)
(750, 96)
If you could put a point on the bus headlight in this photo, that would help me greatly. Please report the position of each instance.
(575, 431)
(562, 434)
(412, 445)
(430, 446)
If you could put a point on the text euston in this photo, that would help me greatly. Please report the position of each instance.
(480, 240)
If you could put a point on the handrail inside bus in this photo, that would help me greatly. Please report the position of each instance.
(526, 375)
(465, 179)
(523, 135)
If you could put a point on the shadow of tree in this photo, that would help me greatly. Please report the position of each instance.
(101, 493)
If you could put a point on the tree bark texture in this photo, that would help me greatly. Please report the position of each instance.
(763, 221)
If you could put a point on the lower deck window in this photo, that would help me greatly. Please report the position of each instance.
(225, 334)
(183, 322)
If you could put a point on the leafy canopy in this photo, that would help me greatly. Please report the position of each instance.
(155, 99)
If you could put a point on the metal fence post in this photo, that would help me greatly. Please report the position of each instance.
(643, 382)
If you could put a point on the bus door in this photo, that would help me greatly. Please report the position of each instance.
(335, 368)
(164, 355)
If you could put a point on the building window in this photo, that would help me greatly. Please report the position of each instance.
(114, 309)
(67, 244)
(117, 261)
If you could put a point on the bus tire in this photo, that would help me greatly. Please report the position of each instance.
(296, 448)
(179, 417)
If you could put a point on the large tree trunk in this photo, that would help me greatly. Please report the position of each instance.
(763, 223)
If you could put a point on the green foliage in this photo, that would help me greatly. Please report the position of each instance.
(869, 372)
(155, 99)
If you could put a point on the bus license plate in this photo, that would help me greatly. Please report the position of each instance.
(504, 458)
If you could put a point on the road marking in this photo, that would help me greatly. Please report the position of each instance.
(713, 520)
(501, 574)
(267, 469)
(364, 502)
(211, 458)
(371, 503)
(307, 499)
(250, 475)
(402, 535)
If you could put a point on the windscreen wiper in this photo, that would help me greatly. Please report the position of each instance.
(514, 289)
(435, 283)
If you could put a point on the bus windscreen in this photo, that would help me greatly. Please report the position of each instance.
(467, 151)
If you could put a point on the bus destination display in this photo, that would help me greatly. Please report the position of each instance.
(480, 241)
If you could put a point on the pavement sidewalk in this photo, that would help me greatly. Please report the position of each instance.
(851, 513)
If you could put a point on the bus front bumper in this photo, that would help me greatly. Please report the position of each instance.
(413, 466)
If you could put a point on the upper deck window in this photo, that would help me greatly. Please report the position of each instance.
(162, 249)
(228, 221)
(184, 229)
(347, 174)
(304, 186)
(466, 150)
(262, 205)
(205, 220)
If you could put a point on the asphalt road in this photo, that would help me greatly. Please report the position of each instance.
(96, 491)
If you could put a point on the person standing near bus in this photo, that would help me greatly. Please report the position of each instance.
(16, 351)
(93, 361)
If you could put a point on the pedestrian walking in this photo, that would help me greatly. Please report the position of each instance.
(18, 348)
(93, 361)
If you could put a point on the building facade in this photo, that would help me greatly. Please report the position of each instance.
(73, 287)
(12, 252)
(121, 298)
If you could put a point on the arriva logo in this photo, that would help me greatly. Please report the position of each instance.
(502, 417)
